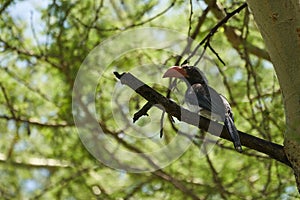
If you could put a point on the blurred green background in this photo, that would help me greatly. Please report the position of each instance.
(44, 43)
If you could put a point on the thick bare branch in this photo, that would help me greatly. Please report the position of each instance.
(273, 150)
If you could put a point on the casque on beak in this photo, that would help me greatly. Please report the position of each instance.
(175, 72)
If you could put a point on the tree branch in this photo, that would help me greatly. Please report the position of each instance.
(32, 121)
(207, 38)
(273, 150)
(34, 162)
(5, 5)
(233, 37)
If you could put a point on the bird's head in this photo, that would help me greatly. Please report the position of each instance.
(189, 74)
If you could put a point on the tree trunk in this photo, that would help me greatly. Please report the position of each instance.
(279, 24)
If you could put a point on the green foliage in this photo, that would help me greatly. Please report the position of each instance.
(42, 155)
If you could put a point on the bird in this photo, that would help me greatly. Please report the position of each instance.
(200, 94)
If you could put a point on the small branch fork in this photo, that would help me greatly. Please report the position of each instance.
(273, 150)
(206, 40)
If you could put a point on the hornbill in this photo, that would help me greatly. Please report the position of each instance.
(200, 94)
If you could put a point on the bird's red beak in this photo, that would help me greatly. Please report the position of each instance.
(175, 72)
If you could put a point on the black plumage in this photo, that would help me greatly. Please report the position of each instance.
(200, 94)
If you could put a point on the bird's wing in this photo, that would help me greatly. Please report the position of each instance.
(197, 95)
(228, 110)
(206, 98)
(217, 104)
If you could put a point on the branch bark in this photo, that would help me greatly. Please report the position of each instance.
(273, 150)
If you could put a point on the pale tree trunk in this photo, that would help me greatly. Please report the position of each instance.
(279, 24)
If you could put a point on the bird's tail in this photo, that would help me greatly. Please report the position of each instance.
(229, 124)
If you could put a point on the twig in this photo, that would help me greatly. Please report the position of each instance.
(8, 102)
(142, 111)
(131, 25)
(5, 5)
(162, 124)
(234, 38)
(212, 49)
(275, 151)
(193, 36)
(207, 38)
(37, 123)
